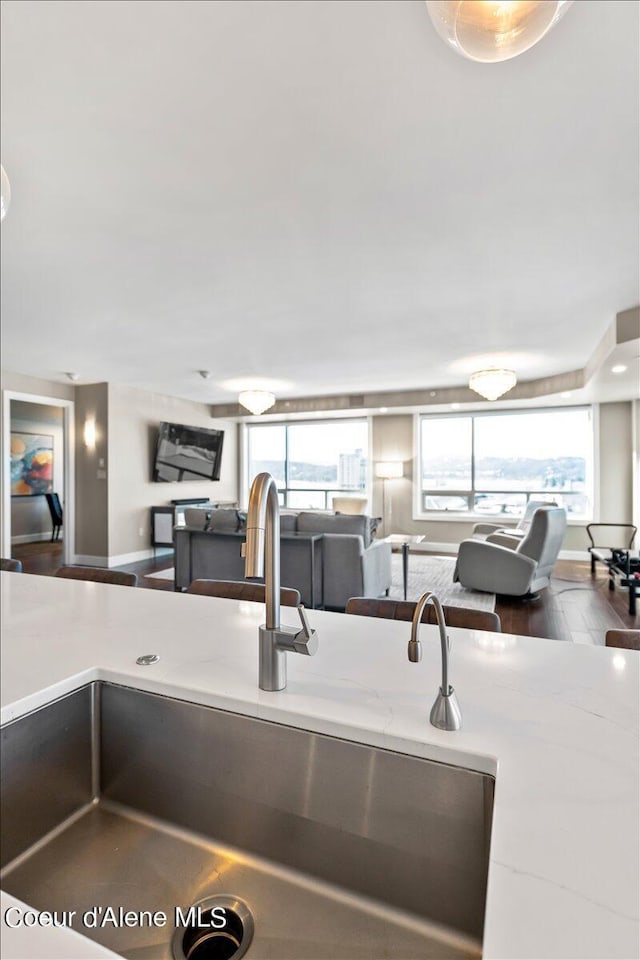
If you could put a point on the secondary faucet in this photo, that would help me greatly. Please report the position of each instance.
(445, 713)
(263, 542)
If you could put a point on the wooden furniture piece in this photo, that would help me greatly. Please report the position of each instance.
(625, 639)
(55, 509)
(404, 610)
(401, 543)
(618, 559)
(241, 590)
(98, 575)
(11, 565)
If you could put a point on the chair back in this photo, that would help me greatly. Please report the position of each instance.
(405, 609)
(544, 540)
(626, 639)
(98, 575)
(11, 565)
(524, 524)
(611, 536)
(55, 508)
(241, 590)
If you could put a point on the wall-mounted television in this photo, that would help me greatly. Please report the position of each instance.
(187, 453)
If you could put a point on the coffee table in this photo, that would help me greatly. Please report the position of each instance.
(401, 543)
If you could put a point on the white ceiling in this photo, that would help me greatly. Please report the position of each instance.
(317, 192)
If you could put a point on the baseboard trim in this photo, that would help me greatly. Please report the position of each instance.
(452, 548)
(121, 559)
(87, 560)
(32, 538)
(431, 545)
(574, 555)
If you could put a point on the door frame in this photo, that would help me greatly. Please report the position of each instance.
(68, 487)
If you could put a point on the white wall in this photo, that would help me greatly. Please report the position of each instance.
(134, 416)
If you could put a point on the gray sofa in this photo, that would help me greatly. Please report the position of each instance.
(348, 562)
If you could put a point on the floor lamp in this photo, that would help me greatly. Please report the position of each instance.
(388, 470)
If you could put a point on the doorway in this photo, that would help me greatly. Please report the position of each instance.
(37, 466)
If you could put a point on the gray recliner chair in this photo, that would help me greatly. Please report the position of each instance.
(514, 570)
(491, 531)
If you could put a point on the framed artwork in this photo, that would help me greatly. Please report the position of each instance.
(31, 464)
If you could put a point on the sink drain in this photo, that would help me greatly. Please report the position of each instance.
(216, 928)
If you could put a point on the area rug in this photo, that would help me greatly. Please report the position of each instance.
(425, 573)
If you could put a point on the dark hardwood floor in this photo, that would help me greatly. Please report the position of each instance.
(576, 607)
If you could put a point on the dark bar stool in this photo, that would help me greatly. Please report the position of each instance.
(13, 566)
(98, 575)
(240, 590)
(404, 610)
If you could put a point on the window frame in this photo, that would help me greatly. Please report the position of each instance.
(245, 458)
(472, 516)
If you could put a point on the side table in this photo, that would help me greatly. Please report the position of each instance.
(401, 543)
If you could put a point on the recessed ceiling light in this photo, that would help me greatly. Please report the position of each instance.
(565, 394)
(455, 406)
(619, 368)
(383, 409)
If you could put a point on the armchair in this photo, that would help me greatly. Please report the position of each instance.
(519, 571)
(493, 531)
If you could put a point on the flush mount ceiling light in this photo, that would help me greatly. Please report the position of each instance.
(492, 30)
(256, 401)
(619, 368)
(491, 384)
(6, 193)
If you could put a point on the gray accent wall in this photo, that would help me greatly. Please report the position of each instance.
(92, 506)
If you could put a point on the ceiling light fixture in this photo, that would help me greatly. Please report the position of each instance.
(492, 30)
(491, 384)
(256, 401)
(205, 374)
(619, 368)
(5, 200)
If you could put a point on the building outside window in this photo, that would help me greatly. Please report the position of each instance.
(311, 462)
(493, 463)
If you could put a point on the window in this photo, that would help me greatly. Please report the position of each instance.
(491, 464)
(311, 461)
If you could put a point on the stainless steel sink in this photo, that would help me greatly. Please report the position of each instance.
(116, 798)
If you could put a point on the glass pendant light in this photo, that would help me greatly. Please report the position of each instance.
(492, 30)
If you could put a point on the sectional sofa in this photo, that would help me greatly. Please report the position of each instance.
(327, 557)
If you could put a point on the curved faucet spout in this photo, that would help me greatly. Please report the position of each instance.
(445, 713)
(263, 540)
(261, 551)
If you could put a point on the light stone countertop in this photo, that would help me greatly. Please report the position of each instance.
(557, 724)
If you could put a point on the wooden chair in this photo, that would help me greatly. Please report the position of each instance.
(404, 610)
(13, 566)
(626, 639)
(98, 575)
(241, 590)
